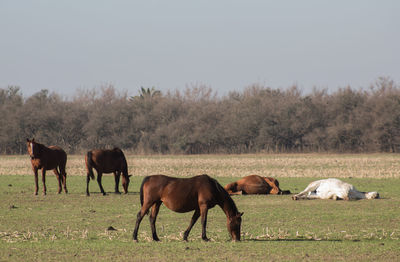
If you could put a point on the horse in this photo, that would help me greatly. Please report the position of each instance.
(199, 193)
(335, 189)
(107, 161)
(254, 184)
(47, 158)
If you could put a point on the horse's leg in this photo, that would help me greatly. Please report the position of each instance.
(310, 188)
(236, 193)
(143, 211)
(203, 213)
(195, 216)
(153, 217)
(44, 180)
(59, 178)
(99, 175)
(117, 175)
(302, 195)
(89, 172)
(63, 176)
(35, 171)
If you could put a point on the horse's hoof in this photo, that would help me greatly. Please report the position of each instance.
(206, 239)
(294, 198)
(118, 193)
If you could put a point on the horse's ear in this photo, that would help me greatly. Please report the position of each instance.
(241, 214)
(27, 140)
(33, 140)
(129, 175)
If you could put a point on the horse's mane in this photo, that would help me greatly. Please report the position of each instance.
(225, 195)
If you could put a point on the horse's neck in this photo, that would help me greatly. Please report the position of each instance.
(43, 148)
(38, 149)
(355, 194)
(228, 206)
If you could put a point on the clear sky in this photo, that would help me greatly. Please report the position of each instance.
(227, 45)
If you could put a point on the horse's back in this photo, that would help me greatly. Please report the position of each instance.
(252, 179)
(53, 157)
(58, 151)
(180, 194)
(107, 160)
(253, 184)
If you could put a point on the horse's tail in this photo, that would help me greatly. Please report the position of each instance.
(89, 164)
(141, 190)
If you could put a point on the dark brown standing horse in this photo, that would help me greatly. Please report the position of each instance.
(107, 161)
(47, 158)
(255, 185)
(198, 193)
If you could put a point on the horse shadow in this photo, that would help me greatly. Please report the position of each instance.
(291, 240)
(112, 193)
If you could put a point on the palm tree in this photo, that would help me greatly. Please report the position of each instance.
(146, 93)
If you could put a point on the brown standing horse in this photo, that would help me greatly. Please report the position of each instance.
(107, 161)
(198, 193)
(255, 185)
(47, 158)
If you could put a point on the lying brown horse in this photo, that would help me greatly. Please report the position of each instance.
(107, 161)
(198, 193)
(255, 185)
(47, 158)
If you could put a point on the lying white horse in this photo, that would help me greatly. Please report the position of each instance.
(333, 188)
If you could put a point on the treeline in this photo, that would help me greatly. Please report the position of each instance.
(197, 121)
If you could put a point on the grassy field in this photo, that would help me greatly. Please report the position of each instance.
(275, 228)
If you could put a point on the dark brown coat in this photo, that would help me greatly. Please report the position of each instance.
(198, 193)
(107, 161)
(47, 158)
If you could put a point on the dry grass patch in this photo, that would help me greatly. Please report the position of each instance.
(276, 165)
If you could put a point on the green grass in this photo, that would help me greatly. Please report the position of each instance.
(275, 228)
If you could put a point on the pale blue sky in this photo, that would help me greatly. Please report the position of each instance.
(227, 45)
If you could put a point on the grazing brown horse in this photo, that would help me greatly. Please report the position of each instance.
(47, 158)
(182, 195)
(255, 185)
(107, 161)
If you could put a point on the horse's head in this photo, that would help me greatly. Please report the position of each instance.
(371, 195)
(33, 148)
(275, 190)
(234, 224)
(125, 182)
